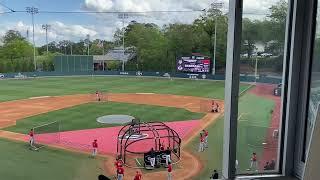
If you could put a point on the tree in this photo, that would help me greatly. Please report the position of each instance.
(24, 67)
(15, 46)
(12, 35)
(151, 46)
(204, 30)
(17, 66)
(2, 67)
(30, 66)
(97, 47)
(249, 35)
(9, 67)
(277, 17)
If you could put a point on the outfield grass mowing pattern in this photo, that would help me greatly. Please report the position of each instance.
(84, 116)
(20, 89)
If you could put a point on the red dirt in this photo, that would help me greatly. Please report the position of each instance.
(266, 91)
(107, 137)
(12, 111)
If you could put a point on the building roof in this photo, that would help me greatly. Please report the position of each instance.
(117, 54)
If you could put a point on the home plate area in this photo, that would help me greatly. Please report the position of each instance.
(107, 137)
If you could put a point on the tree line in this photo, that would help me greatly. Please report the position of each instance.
(156, 47)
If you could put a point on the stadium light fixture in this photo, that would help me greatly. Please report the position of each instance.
(46, 27)
(32, 10)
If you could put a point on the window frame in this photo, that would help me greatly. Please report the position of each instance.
(300, 30)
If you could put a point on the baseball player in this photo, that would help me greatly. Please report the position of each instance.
(168, 156)
(152, 158)
(201, 144)
(98, 96)
(214, 107)
(254, 162)
(120, 173)
(138, 176)
(206, 134)
(169, 171)
(31, 137)
(95, 148)
(118, 162)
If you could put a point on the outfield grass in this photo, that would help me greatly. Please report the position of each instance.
(84, 116)
(258, 113)
(20, 163)
(20, 89)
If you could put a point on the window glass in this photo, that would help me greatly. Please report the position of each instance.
(314, 89)
(261, 66)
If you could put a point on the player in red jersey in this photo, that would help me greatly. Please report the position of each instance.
(118, 162)
(201, 143)
(120, 173)
(138, 176)
(206, 134)
(31, 137)
(254, 162)
(214, 107)
(95, 148)
(169, 171)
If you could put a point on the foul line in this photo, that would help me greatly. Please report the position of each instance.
(138, 161)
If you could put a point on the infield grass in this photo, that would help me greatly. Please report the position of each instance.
(84, 116)
(20, 89)
(257, 112)
(20, 163)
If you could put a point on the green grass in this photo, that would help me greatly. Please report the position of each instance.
(258, 113)
(20, 163)
(84, 116)
(20, 89)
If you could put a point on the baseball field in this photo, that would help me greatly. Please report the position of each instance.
(180, 103)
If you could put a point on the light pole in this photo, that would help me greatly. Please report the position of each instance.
(46, 28)
(71, 48)
(88, 43)
(256, 68)
(32, 10)
(216, 6)
(123, 16)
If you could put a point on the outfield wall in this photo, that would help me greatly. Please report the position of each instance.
(76, 63)
(243, 77)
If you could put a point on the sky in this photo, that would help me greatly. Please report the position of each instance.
(76, 26)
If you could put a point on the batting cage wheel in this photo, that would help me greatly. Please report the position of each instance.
(136, 139)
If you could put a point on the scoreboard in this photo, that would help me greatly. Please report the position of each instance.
(194, 64)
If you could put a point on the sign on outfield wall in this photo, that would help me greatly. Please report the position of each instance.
(124, 73)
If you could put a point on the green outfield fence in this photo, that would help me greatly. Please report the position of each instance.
(193, 76)
(73, 63)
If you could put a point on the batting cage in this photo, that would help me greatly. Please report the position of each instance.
(139, 141)
(48, 133)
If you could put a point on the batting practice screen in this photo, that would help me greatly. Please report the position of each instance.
(73, 63)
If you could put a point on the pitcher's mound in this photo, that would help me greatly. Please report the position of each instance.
(115, 119)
